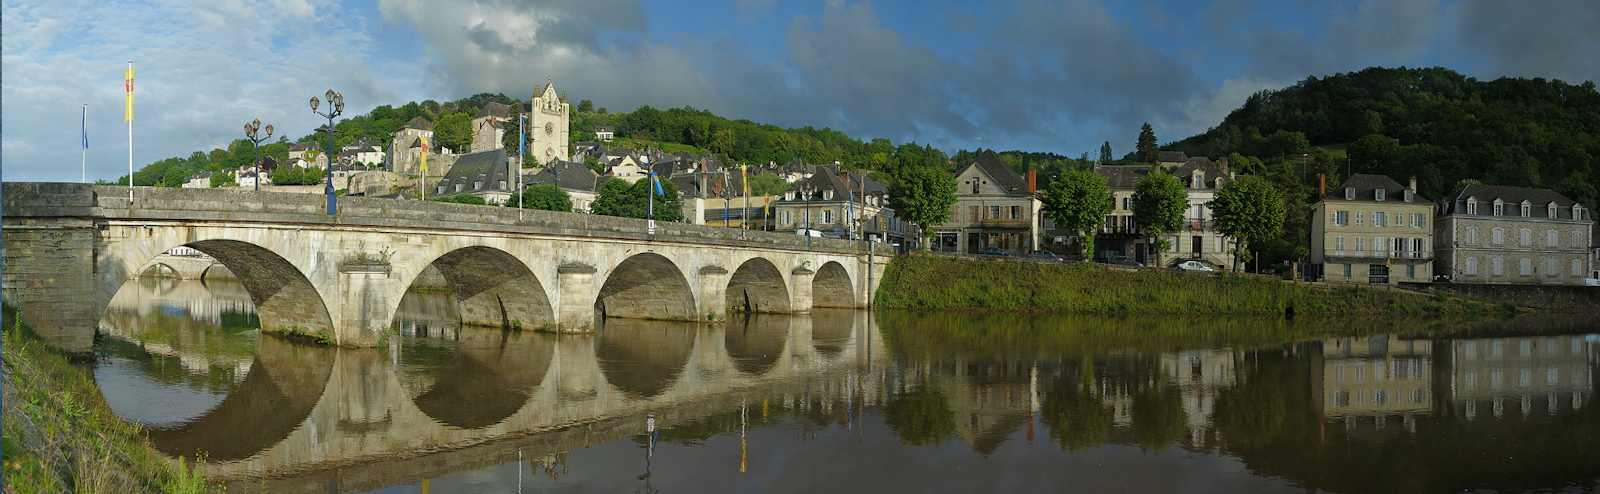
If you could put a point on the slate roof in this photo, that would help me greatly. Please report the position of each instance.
(486, 166)
(574, 176)
(1123, 176)
(1367, 184)
(1539, 199)
(1001, 173)
(493, 110)
(304, 146)
(418, 123)
(1171, 157)
(1212, 171)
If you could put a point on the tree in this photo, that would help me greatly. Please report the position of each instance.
(175, 176)
(585, 106)
(1146, 147)
(1250, 210)
(617, 197)
(1105, 153)
(593, 163)
(922, 195)
(1078, 201)
(543, 196)
(460, 199)
(454, 131)
(219, 179)
(1159, 201)
(768, 184)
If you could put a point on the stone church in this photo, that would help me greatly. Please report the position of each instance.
(549, 120)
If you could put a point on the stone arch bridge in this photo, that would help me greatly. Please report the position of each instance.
(68, 248)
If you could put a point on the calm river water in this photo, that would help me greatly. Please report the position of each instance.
(852, 401)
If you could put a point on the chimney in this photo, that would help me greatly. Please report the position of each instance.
(1322, 185)
(1413, 183)
(1033, 181)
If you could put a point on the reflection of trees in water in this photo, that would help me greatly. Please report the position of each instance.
(921, 416)
(1074, 411)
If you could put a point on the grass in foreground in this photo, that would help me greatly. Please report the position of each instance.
(60, 436)
(922, 281)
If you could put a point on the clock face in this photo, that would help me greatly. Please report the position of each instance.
(549, 128)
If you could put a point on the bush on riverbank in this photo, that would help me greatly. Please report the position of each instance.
(923, 281)
(60, 436)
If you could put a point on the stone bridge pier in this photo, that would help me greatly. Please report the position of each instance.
(68, 249)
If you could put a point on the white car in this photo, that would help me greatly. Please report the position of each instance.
(1194, 266)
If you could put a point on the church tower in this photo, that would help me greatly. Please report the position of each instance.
(549, 122)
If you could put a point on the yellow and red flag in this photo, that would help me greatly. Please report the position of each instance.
(127, 115)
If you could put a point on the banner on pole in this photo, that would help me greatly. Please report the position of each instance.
(127, 115)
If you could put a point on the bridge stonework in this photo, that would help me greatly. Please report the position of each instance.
(68, 248)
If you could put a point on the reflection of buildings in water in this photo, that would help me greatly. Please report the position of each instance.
(201, 301)
(1529, 373)
(989, 400)
(1201, 375)
(184, 313)
(1374, 377)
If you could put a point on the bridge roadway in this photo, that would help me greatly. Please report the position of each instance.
(373, 417)
(69, 247)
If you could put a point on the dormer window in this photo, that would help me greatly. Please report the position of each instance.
(1499, 208)
(1408, 196)
(1577, 212)
(1472, 205)
(1196, 181)
(1377, 195)
(827, 195)
(1551, 209)
(1349, 193)
(1527, 209)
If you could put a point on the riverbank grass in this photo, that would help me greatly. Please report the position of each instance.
(924, 281)
(60, 436)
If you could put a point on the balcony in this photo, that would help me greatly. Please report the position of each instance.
(1119, 230)
(1007, 223)
(1191, 224)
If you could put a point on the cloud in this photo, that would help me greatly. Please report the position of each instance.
(1552, 39)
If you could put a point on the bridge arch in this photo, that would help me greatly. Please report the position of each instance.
(758, 286)
(494, 288)
(832, 287)
(646, 286)
(284, 298)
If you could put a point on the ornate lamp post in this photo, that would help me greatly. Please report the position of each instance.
(255, 146)
(337, 100)
(805, 190)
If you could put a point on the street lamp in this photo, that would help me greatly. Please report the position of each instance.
(255, 145)
(337, 100)
(805, 190)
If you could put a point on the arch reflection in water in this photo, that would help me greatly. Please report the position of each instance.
(642, 358)
(756, 342)
(285, 382)
(831, 330)
(483, 375)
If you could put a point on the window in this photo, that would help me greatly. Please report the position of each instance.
(1341, 218)
(783, 218)
(1551, 209)
(1016, 212)
(1418, 220)
(1377, 195)
(974, 186)
(502, 184)
(1577, 268)
(1411, 271)
(1197, 181)
(1550, 267)
(827, 216)
(1499, 236)
(994, 212)
(1577, 212)
(1472, 235)
(1550, 239)
(1361, 218)
(1349, 194)
(1222, 244)
(1347, 270)
(1577, 240)
(1338, 245)
(1525, 267)
(1499, 267)
(1380, 219)
(1127, 203)
(1361, 244)
(458, 187)
(976, 215)
(1526, 238)
(1499, 208)
(1472, 206)
(1527, 209)
(1472, 266)
(1408, 195)
(1379, 248)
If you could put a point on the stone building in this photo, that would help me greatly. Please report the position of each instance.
(489, 127)
(994, 207)
(1371, 229)
(1504, 234)
(1196, 240)
(549, 124)
(405, 149)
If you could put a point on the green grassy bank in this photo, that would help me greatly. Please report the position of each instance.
(923, 281)
(60, 436)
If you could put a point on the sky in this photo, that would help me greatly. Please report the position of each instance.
(1042, 76)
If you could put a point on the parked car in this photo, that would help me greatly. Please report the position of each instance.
(992, 251)
(1194, 266)
(1123, 260)
(1045, 255)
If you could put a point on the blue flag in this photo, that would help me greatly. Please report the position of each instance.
(86, 126)
(657, 183)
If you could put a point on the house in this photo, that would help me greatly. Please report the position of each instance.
(830, 204)
(200, 180)
(365, 154)
(305, 151)
(1198, 238)
(1504, 234)
(1170, 159)
(605, 133)
(485, 174)
(1371, 229)
(994, 207)
(488, 127)
(406, 148)
(1118, 235)
(581, 184)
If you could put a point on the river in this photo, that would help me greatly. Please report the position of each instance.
(857, 401)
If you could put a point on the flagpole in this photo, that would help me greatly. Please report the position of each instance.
(128, 116)
(522, 149)
(85, 163)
